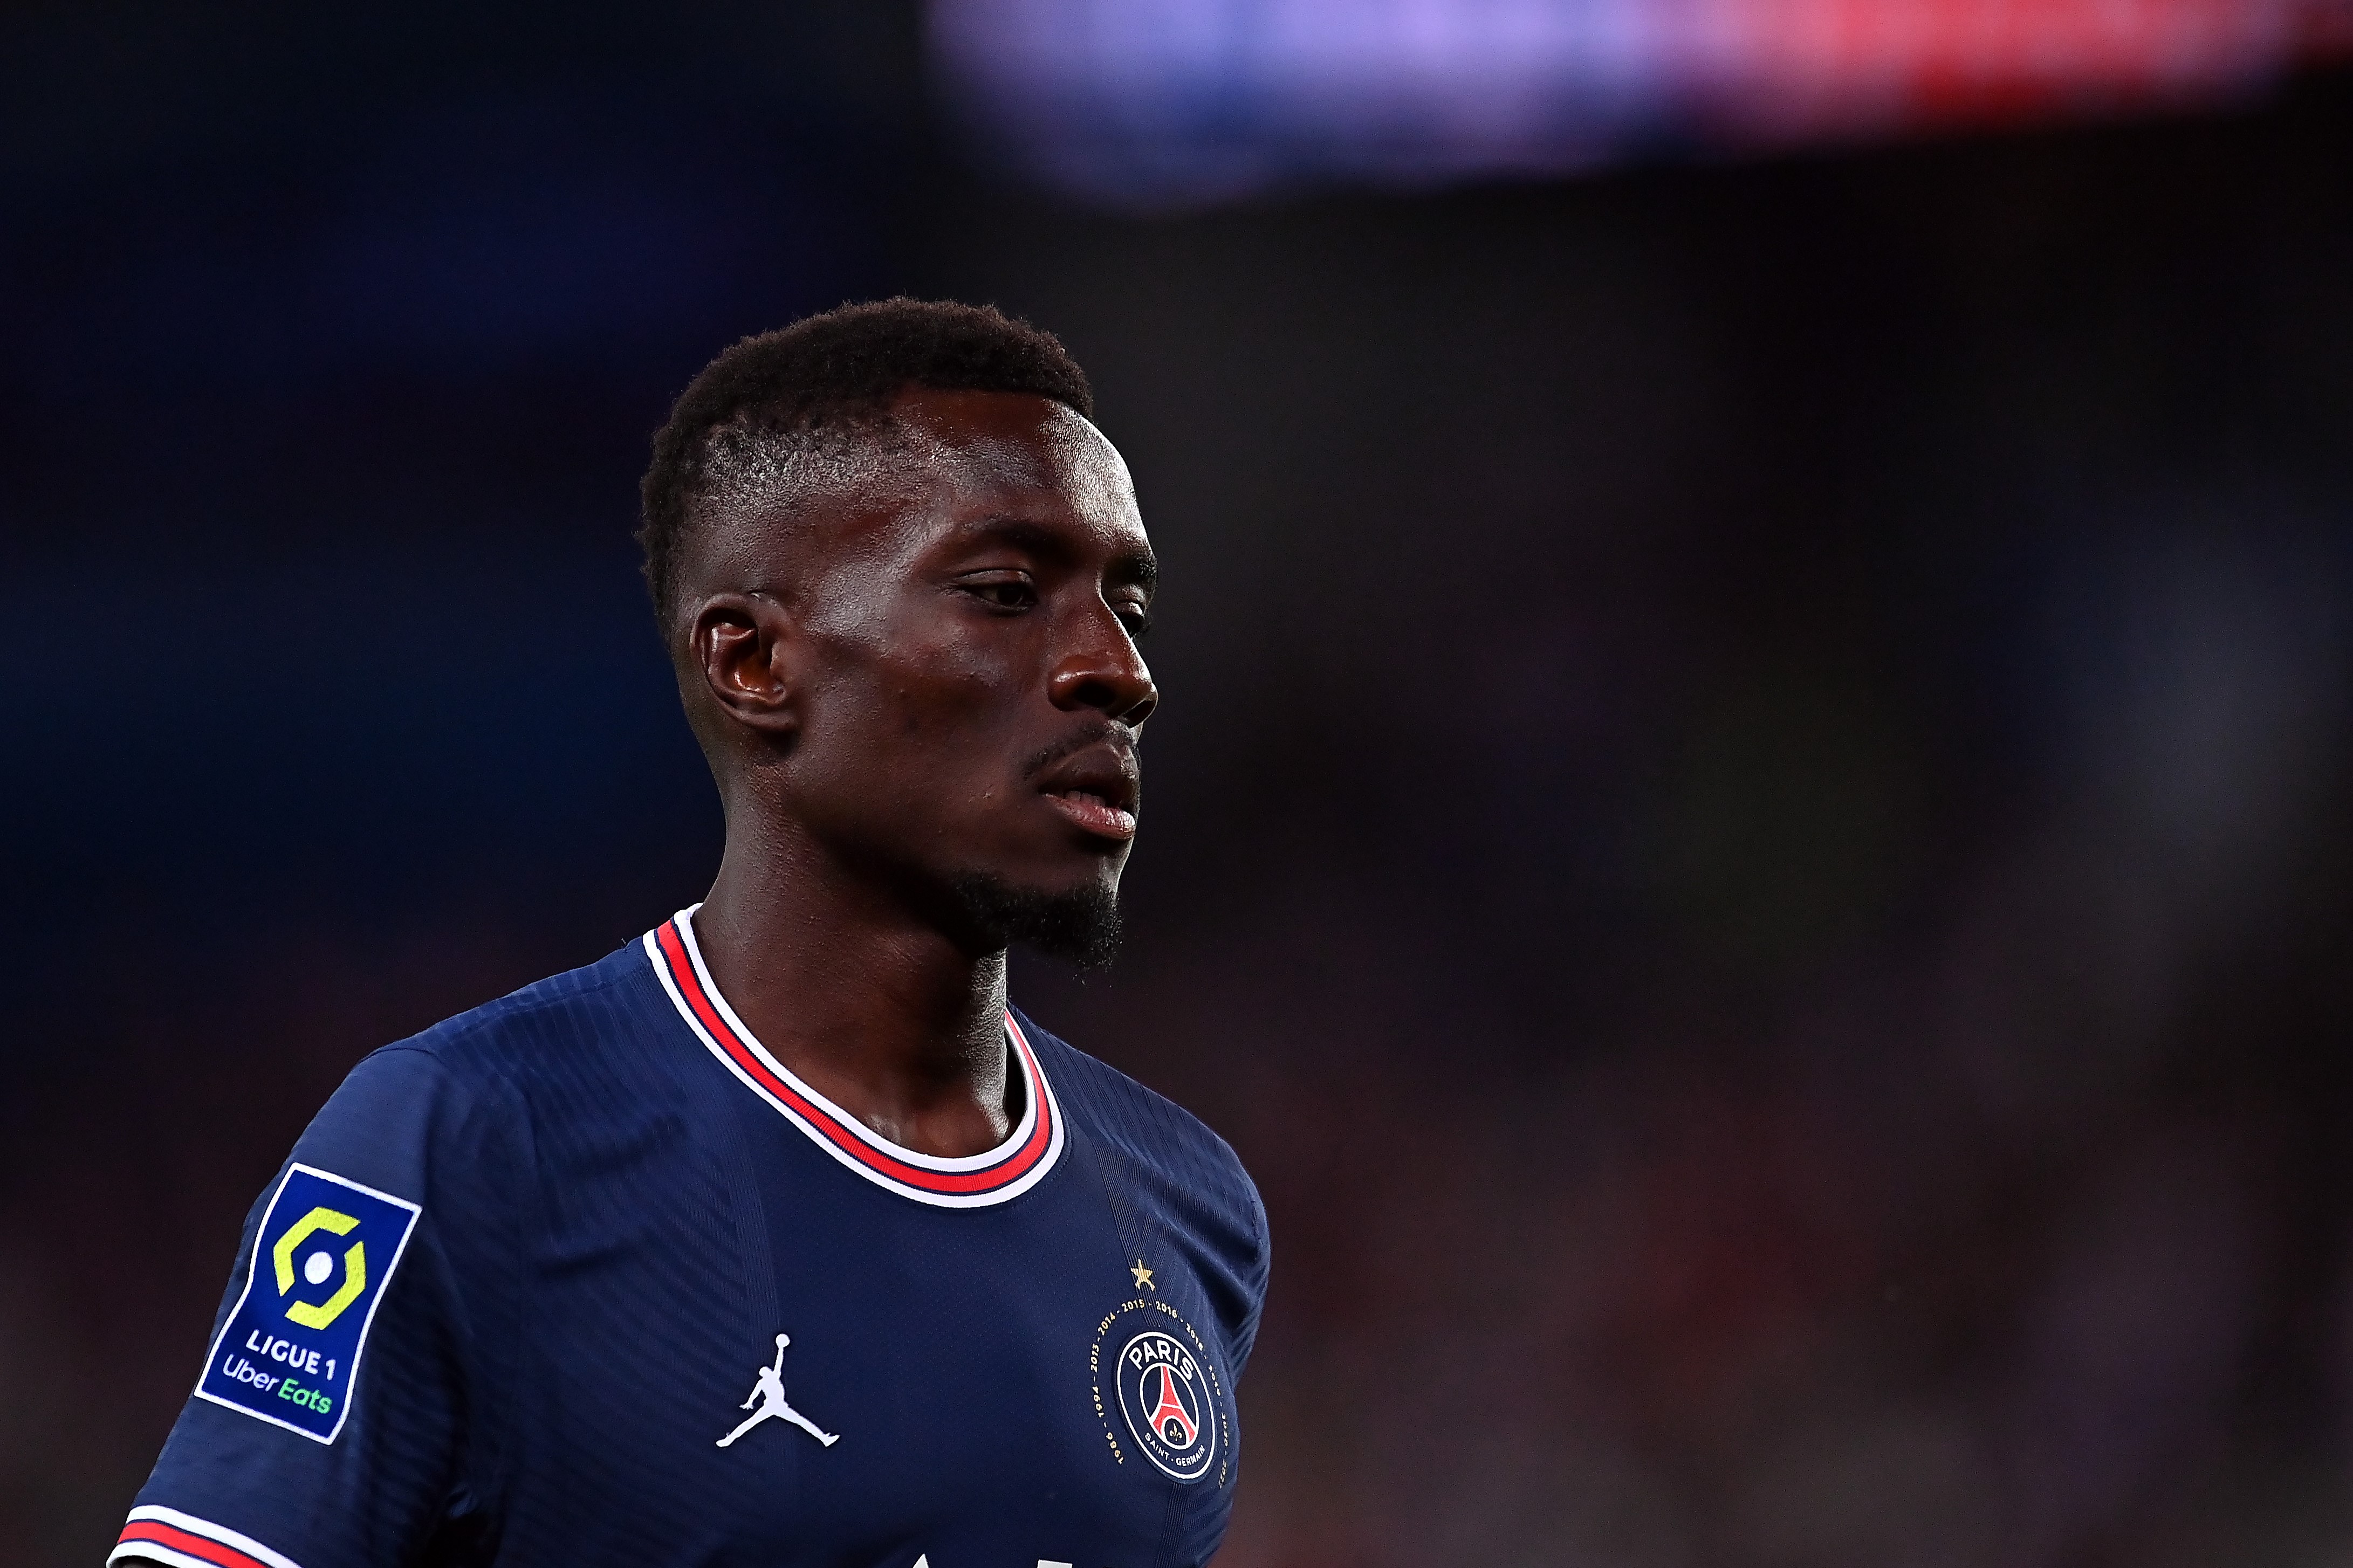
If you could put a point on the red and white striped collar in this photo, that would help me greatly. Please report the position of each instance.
(975, 1181)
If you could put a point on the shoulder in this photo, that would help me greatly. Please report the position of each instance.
(525, 1030)
(459, 1095)
(1159, 1140)
(1114, 1107)
(509, 1052)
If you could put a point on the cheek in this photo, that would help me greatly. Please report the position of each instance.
(939, 701)
(925, 728)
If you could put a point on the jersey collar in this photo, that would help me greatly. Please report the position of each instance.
(975, 1181)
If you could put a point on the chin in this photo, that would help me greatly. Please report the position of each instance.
(1078, 924)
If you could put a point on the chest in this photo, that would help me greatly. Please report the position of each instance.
(750, 1356)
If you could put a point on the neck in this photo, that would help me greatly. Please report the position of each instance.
(874, 1008)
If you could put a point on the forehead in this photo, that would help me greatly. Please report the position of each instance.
(959, 469)
(990, 454)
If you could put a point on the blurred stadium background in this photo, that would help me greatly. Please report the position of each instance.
(1749, 833)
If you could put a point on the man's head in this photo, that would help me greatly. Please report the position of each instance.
(901, 574)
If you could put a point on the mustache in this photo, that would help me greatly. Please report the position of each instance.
(1095, 733)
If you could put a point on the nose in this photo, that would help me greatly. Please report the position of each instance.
(1106, 674)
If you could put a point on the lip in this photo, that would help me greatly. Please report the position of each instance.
(1096, 790)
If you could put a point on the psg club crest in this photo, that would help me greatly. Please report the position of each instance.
(1159, 1392)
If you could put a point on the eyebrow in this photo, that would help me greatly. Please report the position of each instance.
(1137, 566)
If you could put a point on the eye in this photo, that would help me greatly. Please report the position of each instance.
(1135, 617)
(1008, 591)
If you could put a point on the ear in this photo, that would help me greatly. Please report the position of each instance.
(746, 646)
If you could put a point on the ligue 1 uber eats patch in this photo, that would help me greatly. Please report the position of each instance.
(291, 1353)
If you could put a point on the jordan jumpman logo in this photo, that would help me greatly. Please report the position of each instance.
(769, 1391)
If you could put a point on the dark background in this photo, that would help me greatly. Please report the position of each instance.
(1747, 834)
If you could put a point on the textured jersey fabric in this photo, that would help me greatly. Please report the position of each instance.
(585, 1275)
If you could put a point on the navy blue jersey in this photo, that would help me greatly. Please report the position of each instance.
(587, 1276)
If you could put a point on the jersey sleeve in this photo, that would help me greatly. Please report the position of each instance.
(349, 1405)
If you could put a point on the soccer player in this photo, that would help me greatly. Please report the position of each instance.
(497, 1306)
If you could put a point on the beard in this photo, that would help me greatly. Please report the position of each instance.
(1082, 928)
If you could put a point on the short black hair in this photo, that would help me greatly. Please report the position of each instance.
(837, 370)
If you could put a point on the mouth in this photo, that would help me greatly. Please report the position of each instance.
(1096, 790)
